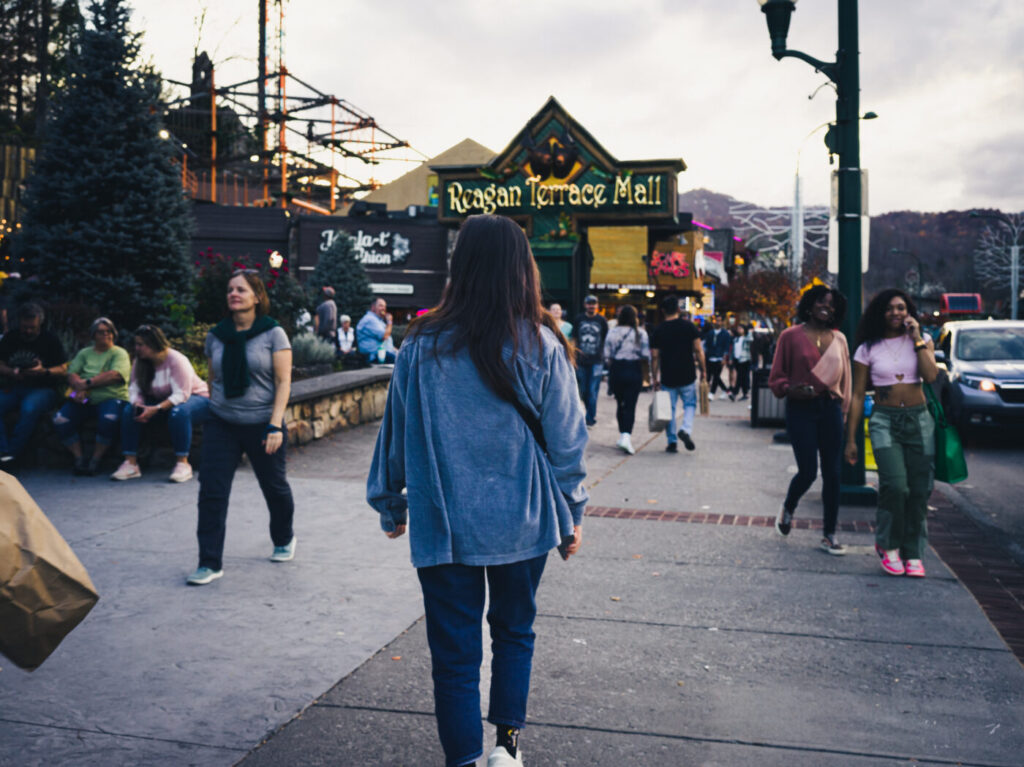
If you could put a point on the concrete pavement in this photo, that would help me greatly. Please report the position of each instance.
(698, 639)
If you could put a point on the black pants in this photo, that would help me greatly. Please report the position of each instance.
(626, 378)
(742, 378)
(223, 444)
(815, 426)
(715, 376)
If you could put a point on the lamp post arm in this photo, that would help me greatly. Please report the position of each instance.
(827, 68)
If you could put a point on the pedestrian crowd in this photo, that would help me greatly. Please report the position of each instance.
(491, 398)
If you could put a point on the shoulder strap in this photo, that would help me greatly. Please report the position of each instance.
(532, 422)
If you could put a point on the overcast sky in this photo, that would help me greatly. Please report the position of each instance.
(690, 79)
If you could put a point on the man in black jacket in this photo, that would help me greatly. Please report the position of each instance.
(32, 365)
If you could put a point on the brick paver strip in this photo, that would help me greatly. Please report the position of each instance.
(992, 577)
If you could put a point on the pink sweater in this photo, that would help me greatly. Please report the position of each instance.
(798, 361)
(174, 379)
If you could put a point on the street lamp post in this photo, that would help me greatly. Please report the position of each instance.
(1015, 232)
(844, 139)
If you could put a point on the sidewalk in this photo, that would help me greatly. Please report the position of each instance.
(706, 644)
(697, 638)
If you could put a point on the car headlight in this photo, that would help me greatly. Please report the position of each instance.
(975, 382)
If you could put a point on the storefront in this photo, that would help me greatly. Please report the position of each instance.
(405, 258)
(594, 222)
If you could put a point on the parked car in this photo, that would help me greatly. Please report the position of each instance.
(981, 372)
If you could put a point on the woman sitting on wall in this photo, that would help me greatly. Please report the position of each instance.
(98, 378)
(164, 387)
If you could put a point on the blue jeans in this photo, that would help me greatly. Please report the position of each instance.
(453, 596)
(815, 426)
(223, 444)
(69, 419)
(180, 420)
(688, 394)
(589, 379)
(32, 402)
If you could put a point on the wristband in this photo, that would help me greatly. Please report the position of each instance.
(920, 346)
(272, 429)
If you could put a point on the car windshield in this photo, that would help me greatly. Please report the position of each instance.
(990, 344)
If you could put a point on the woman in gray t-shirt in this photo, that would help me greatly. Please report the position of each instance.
(250, 383)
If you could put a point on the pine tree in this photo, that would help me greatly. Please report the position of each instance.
(340, 268)
(106, 222)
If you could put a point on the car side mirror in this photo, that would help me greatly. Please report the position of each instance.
(940, 357)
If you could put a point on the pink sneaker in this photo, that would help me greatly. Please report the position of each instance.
(892, 563)
(914, 568)
(182, 472)
(126, 470)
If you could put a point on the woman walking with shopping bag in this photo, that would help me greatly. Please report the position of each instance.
(895, 360)
(484, 433)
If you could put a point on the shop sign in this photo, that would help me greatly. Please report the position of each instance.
(677, 266)
(532, 195)
(391, 288)
(554, 167)
(384, 248)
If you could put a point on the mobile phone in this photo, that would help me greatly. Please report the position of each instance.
(908, 325)
(563, 547)
(139, 409)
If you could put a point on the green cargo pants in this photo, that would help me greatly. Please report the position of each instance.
(903, 439)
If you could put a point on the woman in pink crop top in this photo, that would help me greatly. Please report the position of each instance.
(811, 369)
(893, 359)
(163, 386)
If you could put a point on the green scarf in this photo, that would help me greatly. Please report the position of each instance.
(235, 365)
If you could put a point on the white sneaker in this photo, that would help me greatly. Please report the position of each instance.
(182, 472)
(126, 470)
(627, 445)
(501, 758)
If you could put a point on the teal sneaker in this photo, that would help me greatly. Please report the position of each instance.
(203, 575)
(284, 553)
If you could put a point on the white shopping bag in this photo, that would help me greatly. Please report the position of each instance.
(660, 412)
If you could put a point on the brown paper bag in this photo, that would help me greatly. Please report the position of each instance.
(44, 590)
(703, 398)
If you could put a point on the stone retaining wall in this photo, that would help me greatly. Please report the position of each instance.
(318, 407)
(326, 404)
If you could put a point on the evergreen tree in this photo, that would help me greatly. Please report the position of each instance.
(340, 268)
(106, 221)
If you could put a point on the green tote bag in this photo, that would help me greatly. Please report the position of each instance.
(950, 465)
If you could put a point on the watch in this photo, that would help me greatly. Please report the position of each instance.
(88, 383)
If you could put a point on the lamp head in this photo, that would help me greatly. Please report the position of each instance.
(777, 13)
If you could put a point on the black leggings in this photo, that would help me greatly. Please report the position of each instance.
(815, 427)
(626, 378)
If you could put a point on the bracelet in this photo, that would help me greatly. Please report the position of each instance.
(920, 346)
(272, 429)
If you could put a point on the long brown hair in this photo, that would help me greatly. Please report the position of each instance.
(154, 338)
(627, 318)
(494, 285)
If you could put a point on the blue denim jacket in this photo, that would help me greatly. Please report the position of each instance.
(479, 490)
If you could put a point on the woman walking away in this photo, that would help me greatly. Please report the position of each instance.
(811, 369)
(484, 431)
(624, 349)
(740, 356)
(250, 381)
(897, 360)
(98, 377)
